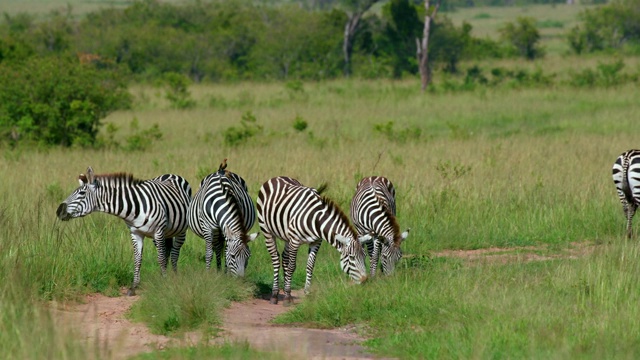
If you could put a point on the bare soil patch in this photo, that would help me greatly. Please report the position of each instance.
(496, 255)
(101, 322)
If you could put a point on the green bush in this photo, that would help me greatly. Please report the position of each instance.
(57, 101)
(524, 36)
(178, 93)
(234, 136)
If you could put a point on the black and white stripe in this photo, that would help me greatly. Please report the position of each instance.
(373, 211)
(223, 210)
(155, 208)
(626, 176)
(299, 215)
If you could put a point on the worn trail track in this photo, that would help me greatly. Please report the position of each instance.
(101, 322)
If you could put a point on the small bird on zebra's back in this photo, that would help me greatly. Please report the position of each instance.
(373, 211)
(222, 212)
(155, 208)
(300, 215)
(626, 177)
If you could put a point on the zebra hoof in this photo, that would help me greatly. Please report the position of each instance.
(288, 300)
(131, 292)
(274, 299)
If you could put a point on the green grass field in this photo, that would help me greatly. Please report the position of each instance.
(490, 167)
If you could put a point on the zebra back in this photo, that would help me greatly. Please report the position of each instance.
(373, 209)
(298, 214)
(626, 176)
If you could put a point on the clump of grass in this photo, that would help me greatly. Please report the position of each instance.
(240, 350)
(192, 298)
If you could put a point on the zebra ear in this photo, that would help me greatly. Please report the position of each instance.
(90, 177)
(227, 232)
(82, 179)
(405, 234)
(342, 239)
(253, 236)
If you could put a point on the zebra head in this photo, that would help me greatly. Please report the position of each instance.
(82, 200)
(237, 252)
(392, 253)
(352, 257)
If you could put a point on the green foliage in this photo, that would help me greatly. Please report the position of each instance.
(136, 140)
(609, 26)
(605, 74)
(389, 131)
(56, 101)
(178, 92)
(524, 36)
(300, 124)
(249, 127)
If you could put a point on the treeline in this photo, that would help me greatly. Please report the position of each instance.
(61, 75)
(229, 40)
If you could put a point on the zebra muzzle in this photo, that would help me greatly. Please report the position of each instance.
(62, 212)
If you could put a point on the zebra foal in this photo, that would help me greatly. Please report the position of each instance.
(155, 208)
(626, 177)
(299, 215)
(223, 210)
(373, 211)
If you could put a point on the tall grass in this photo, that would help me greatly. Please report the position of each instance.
(584, 308)
(491, 167)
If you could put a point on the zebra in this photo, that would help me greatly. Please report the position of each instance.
(300, 215)
(373, 211)
(155, 208)
(222, 206)
(626, 176)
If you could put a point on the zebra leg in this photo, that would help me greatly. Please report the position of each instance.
(291, 251)
(178, 241)
(208, 244)
(218, 247)
(272, 247)
(631, 210)
(162, 251)
(137, 242)
(375, 255)
(311, 262)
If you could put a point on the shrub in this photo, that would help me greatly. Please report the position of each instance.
(178, 93)
(234, 136)
(524, 36)
(57, 101)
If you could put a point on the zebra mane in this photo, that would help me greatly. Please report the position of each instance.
(119, 179)
(397, 236)
(332, 204)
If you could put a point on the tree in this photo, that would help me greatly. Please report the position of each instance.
(355, 11)
(423, 44)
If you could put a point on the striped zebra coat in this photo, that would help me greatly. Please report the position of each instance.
(373, 211)
(299, 215)
(155, 208)
(223, 210)
(626, 177)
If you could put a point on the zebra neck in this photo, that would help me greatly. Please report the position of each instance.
(123, 201)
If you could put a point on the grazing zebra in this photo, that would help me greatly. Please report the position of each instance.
(299, 215)
(155, 208)
(626, 176)
(373, 211)
(222, 206)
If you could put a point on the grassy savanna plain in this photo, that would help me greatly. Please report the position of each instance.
(493, 167)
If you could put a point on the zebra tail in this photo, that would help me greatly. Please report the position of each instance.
(626, 189)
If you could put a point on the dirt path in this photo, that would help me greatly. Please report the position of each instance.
(101, 322)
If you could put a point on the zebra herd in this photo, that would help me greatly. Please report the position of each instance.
(222, 212)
